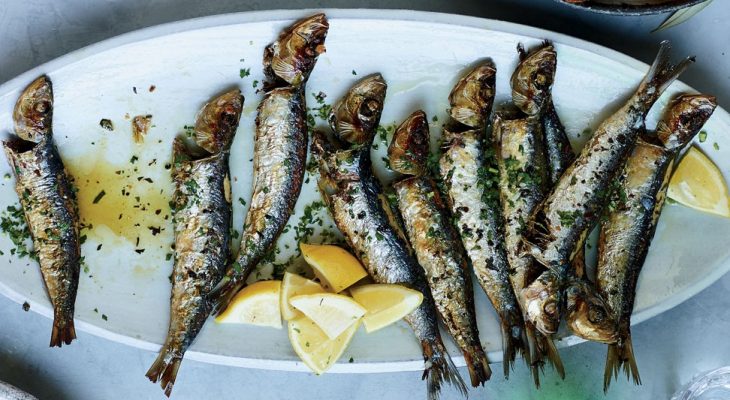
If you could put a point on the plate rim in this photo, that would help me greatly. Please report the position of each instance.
(16, 84)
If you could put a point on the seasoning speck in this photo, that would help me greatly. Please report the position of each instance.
(99, 196)
(140, 126)
(26, 306)
(104, 317)
(106, 124)
(152, 88)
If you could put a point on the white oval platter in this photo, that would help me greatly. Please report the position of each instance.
(124, 296)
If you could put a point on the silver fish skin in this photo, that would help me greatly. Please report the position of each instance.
(280, 149)
(47, 197)
(575, 203)
(469, 172)
(354, 198)
(202, 224)
(435, 242)
(627, 231)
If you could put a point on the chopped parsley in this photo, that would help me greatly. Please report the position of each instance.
(244, 72)
(703, 136)
(99, 196)
(568, 218)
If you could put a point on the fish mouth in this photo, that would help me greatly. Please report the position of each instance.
(542, 306)
(589, 319)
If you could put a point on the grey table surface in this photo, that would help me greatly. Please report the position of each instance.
(671, 348)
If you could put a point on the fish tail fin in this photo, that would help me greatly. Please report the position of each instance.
(514, 342)
(542, 348)
(478, 365)
(223, 293)
(535, 351)
(662, 73)
(64, 331)
(553, 356)
(164, 369)
(439, 368)
(620, 355)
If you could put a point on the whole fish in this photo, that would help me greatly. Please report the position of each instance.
(523, 182)
(469, 173)
(436, 243)
(202, 222)
(353, 196)
(629, 227)
(47, 197)
(558, 226)
(280, 148)
(532, 94)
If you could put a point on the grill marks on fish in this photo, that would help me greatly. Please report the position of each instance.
(435, 242)
(469, 173)
(202, 222)
(575, 203)
(48, 200)
(280, 148)
(627, 231)
(353, 196)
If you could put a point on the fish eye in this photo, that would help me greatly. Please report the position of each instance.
(42, 107)
(369, 108)
(596, 314)
(551, 308)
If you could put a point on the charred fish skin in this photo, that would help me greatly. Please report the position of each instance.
(575, 203)
(202, 223)
(280, 148)
(467, 167)
(626, 234)
(48, 200)
(435, 242)
(353, 197)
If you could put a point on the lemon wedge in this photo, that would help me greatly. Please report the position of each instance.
(334, 266)
(333, 313)
(312, 345)
(385, 303)
(257, 304)
(295, 285)
(699, 184)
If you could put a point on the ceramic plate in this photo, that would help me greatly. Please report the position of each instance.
(169, 71)
(631, 7)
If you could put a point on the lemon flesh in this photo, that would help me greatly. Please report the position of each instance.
(295, 285)
(699, 184)
(333, 313)
(385, 303)
(257, 304)
(312, 345)
(336, 268)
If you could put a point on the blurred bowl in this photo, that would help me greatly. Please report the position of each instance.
(630, 7)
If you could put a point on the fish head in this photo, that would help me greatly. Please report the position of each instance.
(293, 56)
(33, 112)
(217, 121)
(542, 300)
(587, 315)
(355, 117)
(472, 97)
(684, 118)
(409, 148)
(533, 78)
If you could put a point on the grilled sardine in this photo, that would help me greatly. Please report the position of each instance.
(202, 223)
(436, 243)
(280, 148)
(469, 173)
(353, 196)
(628, 229)
(531, 92)
(48, 199)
